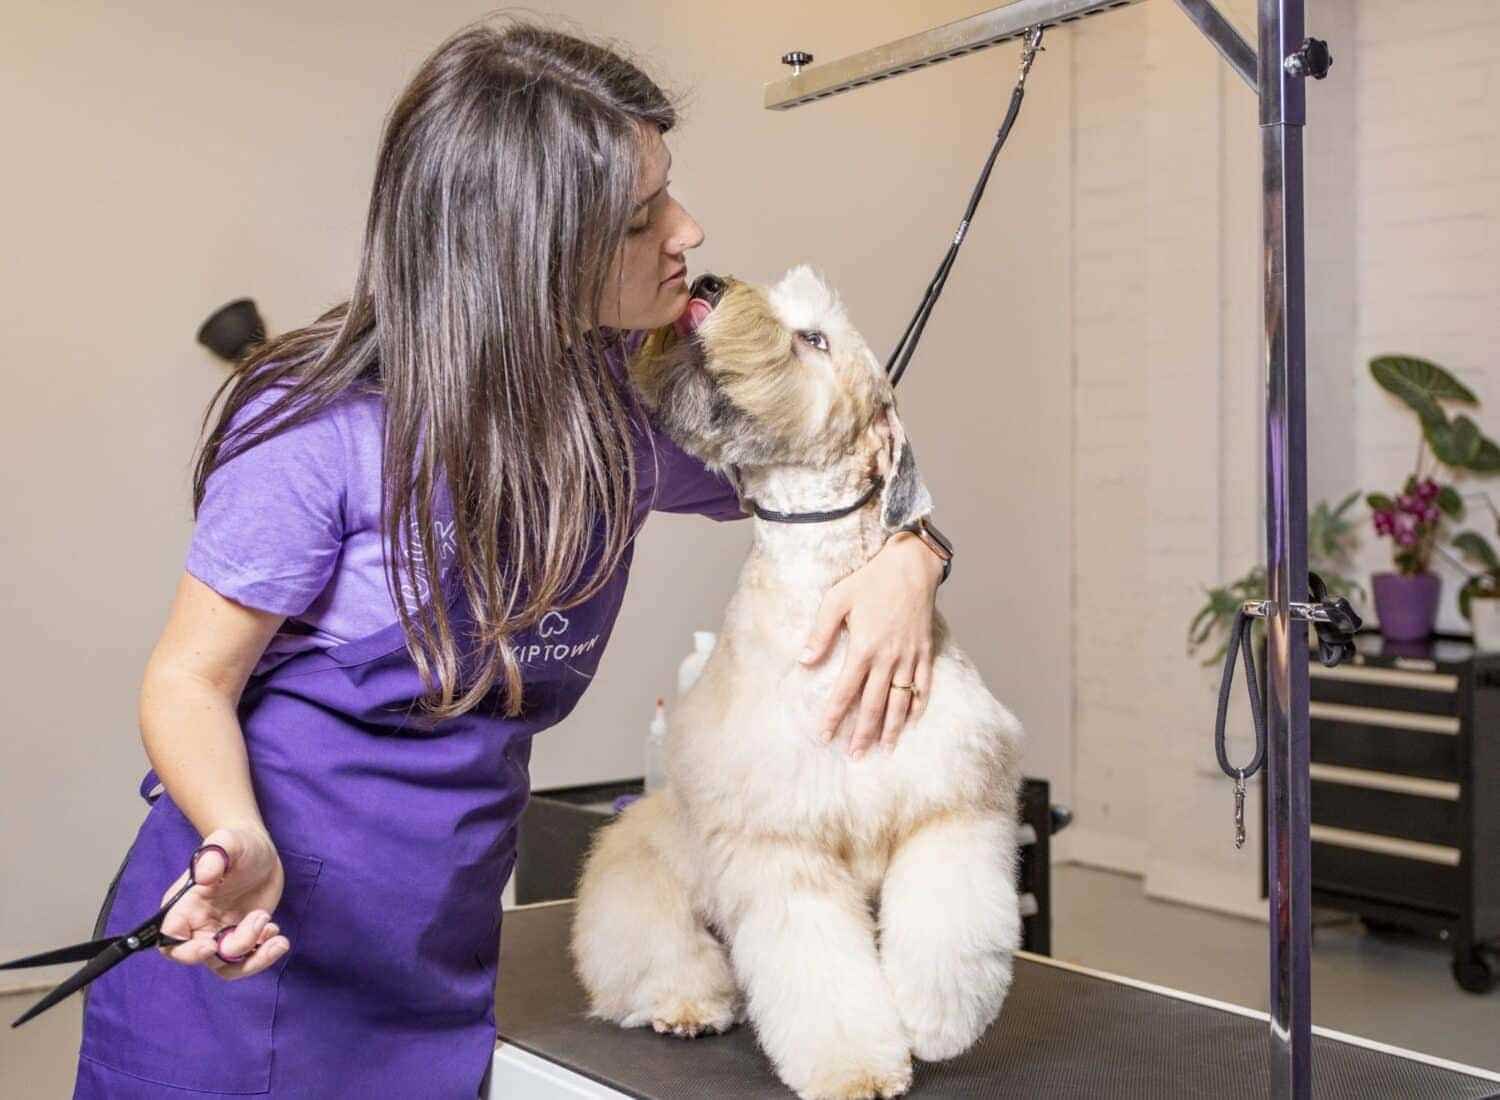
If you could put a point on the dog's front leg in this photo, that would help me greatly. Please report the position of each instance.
(803, 946)
(949, 924)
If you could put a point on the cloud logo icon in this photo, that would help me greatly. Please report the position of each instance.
(553, 623)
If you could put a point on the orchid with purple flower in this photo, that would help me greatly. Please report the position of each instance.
(1413, 518)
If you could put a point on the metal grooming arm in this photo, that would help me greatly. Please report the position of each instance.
(1279, 86)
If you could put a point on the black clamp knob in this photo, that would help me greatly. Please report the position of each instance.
(1336, 624)
(796, 59)
(1311, 59)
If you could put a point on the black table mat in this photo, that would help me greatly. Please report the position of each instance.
(1060, 1034)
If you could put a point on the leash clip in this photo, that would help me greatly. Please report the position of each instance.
(1030, 50)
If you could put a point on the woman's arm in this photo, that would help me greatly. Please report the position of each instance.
(188, 704)
(191, 731)
(889, 603)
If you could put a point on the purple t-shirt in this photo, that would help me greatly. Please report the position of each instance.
(293, 524)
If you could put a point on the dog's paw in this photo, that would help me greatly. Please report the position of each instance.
(945, 1009)
(941, 1039)
(942, 1024)
(859, 1083)
(688, 1019)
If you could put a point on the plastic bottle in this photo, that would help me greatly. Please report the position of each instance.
(656, 749)
(692, 664)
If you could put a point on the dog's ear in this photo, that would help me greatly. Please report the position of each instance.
(904, 496)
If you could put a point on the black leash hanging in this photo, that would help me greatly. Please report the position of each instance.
(1237, 639)
(896, 366)
(1336, 623)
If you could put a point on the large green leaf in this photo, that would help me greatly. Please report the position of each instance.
(1462, 445)
(1428, 411)
(1476, 547)
(1405, 375)
(1487, 461)
(1450, 502)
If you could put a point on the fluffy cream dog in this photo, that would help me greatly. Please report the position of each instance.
(756, 867)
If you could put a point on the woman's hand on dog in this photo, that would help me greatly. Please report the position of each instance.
(888, 605)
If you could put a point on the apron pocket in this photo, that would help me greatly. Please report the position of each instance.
(187, 1028)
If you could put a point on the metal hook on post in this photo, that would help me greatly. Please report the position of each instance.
(1312, 58)
(1030, 50)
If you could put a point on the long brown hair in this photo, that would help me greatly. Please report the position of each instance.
(503, 188)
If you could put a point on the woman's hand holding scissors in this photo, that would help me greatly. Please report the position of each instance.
(224, 921)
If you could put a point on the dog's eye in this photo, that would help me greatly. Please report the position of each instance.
(814, 338)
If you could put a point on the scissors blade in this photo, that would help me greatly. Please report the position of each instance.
(77, 953)
(101, 962)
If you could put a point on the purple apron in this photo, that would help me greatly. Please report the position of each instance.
(396, 841)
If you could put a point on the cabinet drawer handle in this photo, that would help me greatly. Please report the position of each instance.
(1386, 845)
(1390, 677)
(1384, 781)
(1376, 716)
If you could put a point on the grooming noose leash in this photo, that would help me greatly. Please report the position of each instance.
(896, 366)
(1335, 620)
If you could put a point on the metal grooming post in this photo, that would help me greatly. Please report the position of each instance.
(1285, 60)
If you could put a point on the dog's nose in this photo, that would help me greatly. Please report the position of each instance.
(708, 287)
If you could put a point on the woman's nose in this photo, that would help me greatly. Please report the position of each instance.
(686, 234)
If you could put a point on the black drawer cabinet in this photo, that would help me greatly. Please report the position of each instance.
(1405, 749)
(557, 825)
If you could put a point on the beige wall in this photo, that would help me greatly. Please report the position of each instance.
(164, 158)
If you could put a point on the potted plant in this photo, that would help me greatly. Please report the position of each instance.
(1330, 547)
(1479, 598)
(1406, 599)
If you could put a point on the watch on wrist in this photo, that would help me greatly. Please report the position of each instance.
(935, 541)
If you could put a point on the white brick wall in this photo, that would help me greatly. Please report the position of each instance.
(1111, 429)
(1428, 217)
(1403, 217)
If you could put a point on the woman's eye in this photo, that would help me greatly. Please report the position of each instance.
(641, 228)
(814, 338)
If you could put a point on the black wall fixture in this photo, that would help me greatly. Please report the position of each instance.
(233, 330)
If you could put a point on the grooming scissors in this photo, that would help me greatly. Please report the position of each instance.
(105, 954)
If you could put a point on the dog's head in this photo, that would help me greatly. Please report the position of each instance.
(778, 376)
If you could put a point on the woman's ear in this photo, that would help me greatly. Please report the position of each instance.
(904, 496)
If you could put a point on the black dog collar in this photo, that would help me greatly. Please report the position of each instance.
(817, 517)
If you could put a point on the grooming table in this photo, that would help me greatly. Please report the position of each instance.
(1065, 1032)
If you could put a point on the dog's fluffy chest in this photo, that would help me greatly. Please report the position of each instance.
(745, 751)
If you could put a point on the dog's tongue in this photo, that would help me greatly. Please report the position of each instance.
(692, 317)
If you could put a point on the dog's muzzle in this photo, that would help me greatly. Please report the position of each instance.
(703, 296)
(708, 287)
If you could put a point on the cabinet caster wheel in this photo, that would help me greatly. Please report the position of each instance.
(1472, 973)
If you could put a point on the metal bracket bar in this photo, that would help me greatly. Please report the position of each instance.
(1308, 612)
(1221, 32)
(929, 47)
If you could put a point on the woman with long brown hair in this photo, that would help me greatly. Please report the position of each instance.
(414, 523)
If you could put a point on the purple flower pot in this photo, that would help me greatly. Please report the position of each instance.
(1406, 605)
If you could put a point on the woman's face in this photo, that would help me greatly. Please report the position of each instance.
(648, 286)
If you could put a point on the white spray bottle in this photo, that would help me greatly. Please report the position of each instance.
(692, 664)
(656, 749)
(656, 734)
